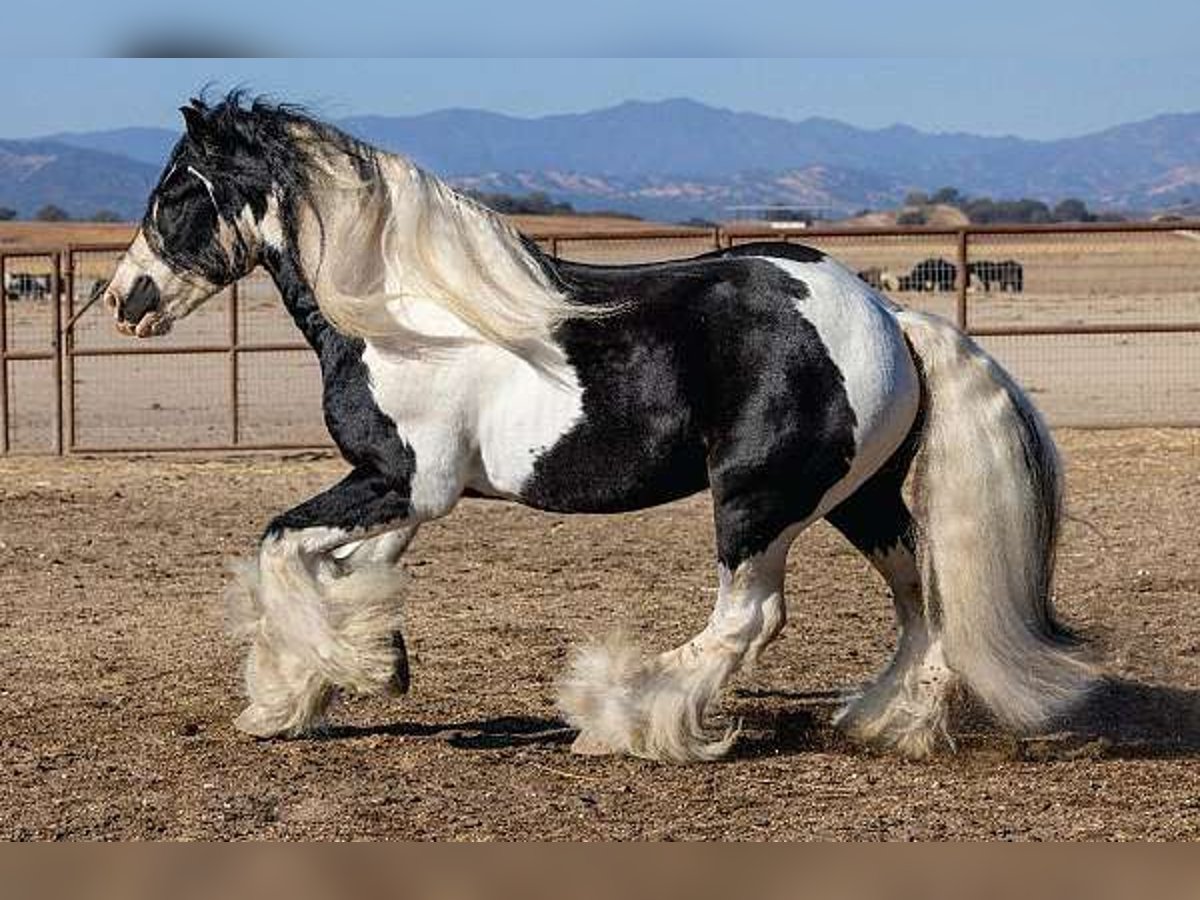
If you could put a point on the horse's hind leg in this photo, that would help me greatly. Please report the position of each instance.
(906, 706)
(313, 621)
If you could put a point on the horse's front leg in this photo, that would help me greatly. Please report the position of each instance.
(320, 608)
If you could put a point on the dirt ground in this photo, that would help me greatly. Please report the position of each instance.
(118, 684)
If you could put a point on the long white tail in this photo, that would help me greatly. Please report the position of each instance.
(989, 498)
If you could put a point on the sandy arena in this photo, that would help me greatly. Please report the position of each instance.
(119, 684)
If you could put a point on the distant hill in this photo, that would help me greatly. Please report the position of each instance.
(147, 145)
(678, 158)
(81, 181)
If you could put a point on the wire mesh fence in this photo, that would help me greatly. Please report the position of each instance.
(1101, 325)
(31, 415)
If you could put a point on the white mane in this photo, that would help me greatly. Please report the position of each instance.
(407, 235)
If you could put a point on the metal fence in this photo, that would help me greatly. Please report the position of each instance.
(1100, 323)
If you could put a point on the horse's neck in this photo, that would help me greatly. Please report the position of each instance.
(299, 299)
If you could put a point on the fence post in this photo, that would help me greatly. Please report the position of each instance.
(961, 310)
(56, 300)
(67, 352)
(234, 413)
(3, 354)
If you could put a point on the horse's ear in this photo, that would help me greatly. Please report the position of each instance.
(197, 124)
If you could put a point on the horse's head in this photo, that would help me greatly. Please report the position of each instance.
(203, 228)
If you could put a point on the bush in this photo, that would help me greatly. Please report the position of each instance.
(912, 217)
(7, 214)
(1072, 210)
(986, 211)
(106, 215)
(52, 213)
(536, 204)
(947, 195)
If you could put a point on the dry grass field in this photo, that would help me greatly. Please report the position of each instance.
(117, 683)
(17, 237)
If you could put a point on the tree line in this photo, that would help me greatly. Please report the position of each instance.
(537, 203)
(986, 211)
(53, 213)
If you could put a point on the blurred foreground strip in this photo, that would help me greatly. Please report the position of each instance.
(952, 872)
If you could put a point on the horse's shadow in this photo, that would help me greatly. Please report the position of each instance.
(1122, 719)
(483, 734)
(1135, 720)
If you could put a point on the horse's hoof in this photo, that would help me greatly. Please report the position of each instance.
(587, 744)
(257, 722)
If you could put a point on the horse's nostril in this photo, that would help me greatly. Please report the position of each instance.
(142, 300)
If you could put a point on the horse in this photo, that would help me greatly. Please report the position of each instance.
(933, 274)
(460, 360)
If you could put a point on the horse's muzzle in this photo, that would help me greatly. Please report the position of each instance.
(140, 313)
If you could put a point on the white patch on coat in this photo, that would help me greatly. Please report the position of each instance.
(474, 414)
(865, 342)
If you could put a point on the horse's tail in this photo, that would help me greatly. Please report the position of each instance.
(989, 499)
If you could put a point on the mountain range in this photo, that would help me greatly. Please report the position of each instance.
(671, 160)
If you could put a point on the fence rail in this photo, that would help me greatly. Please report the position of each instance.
(1103, 323)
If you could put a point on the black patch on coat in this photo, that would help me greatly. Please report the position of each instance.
(875, 518)
(363, 500)
(366, 436)
(710, 375)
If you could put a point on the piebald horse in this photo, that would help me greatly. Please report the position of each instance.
(459, 360)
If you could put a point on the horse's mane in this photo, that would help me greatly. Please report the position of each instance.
(404, 233)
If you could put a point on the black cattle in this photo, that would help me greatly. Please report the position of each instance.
(931, 274)
(1006, 275)
(1012, 276)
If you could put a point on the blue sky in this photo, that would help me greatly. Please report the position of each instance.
(1042, 97)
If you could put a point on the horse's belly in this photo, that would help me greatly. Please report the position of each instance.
(583, 475)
